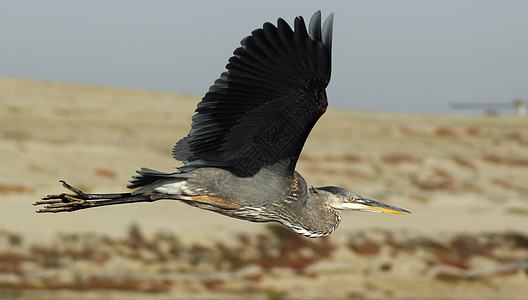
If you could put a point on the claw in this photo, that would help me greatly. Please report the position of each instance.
(48, 197)
(54, 210)
(71, 188)
(62, 202)
(77, 200)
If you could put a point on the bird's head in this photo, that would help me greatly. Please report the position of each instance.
(340, 198)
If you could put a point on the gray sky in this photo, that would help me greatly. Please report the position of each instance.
(397, 56)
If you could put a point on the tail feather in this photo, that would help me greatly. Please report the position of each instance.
(147, 176)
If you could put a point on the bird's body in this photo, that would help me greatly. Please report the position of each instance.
(263, 197)
(246, 137)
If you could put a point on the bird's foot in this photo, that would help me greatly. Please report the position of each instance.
(77, 199)
(64, 202)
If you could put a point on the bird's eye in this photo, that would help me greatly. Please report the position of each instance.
(352, 198)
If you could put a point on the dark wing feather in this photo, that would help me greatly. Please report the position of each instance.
(261, 110)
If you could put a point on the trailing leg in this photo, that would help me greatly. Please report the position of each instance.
(79, 200)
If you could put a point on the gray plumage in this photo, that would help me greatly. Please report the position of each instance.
(240, 155)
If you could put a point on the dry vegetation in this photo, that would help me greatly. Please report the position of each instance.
(161, 262)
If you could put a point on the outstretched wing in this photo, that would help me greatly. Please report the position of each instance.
(261, 110)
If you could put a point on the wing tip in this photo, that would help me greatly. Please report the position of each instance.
(318, 33)
(328, 28)
(314, 27)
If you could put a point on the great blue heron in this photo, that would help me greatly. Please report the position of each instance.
(246, 137)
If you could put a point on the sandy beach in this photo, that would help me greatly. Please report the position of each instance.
(463, 177)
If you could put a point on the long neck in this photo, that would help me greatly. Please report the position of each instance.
(310, 214)
(319, 216)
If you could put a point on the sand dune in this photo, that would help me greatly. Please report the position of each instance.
(458, 175)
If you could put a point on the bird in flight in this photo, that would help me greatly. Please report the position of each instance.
(246, 136)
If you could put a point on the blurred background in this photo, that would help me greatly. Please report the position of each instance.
(421, 117)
